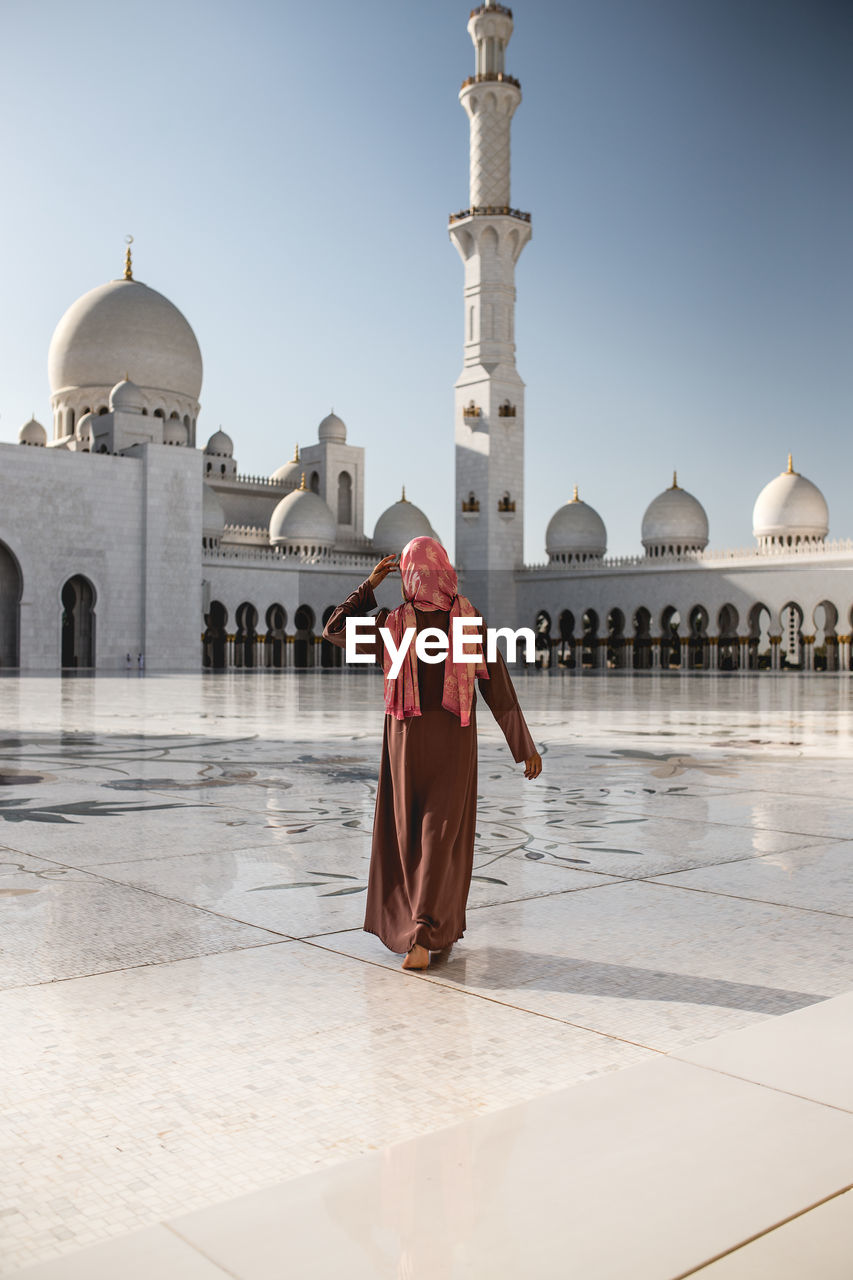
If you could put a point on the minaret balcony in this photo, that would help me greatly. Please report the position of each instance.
(501, 77)
(490, 8)
(472, 414)
(489, 211)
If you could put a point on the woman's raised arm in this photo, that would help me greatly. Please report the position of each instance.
(359, 604)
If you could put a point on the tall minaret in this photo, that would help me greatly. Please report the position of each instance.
(490, 236)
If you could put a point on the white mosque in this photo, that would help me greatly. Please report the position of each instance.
(217, 569)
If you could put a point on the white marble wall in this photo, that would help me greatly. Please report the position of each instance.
(131, 525)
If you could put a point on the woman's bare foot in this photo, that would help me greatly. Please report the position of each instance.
(418, 958)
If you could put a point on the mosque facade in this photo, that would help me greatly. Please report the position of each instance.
(125, 543)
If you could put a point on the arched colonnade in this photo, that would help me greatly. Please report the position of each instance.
(244, 640)
(724, 639)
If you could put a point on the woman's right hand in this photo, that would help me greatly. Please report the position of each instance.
(533, 766)
(380, 572)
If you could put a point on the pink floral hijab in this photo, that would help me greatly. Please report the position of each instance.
(430, 584)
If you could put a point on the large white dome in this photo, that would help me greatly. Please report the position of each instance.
(124, 329)
(398, 524)
(575, 532)
(303, 523)
(674, 522)
(790, 510)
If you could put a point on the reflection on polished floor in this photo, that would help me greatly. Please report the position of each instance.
(190, 1010)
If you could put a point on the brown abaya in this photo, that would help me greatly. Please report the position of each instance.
(426, 801)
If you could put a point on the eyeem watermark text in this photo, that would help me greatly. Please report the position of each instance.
(432, 644)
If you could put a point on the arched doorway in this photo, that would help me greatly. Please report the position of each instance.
(330, 655)
(728, 647)
(670, 641)
(759, 649)
(642, 639)
(246, 636)
(276, 636)
(792, 636)
(697, 648)
(11, 585)
(303, 640)
(78, 623)
(566, 652)
(616, 639)
(825, 620)
(589, 642)
(543, 639)
(215, 637)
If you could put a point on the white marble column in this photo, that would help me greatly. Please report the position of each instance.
(808, 653)
(844, 653)
(712, 653)
(775, 654)
(655, 653)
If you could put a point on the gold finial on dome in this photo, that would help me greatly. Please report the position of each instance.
(791, 471)
(128, 262)
(295, 457)
(675, 479)
(575, 497)
(403, 497)
(302, 484)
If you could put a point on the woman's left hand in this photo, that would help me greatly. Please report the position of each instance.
(533, 766)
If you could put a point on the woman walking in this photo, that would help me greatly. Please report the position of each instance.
(426, 802)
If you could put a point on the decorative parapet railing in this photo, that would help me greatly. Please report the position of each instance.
(248, 554)
(495, 77)
(805, 550)
(263, 482)
(252, 533)
(489, 210)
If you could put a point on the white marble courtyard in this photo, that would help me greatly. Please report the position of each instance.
(191, 1012)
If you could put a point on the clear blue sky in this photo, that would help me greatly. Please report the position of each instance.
(287, 170)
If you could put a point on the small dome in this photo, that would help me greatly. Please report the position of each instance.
(212, 514)
(302, 519)
(289, 472)
(85, 428)
(220, 445)
(790, 509)
(398, 524)
(332, 428)
(126, 397)
(174, 432)
(33, 433)
(575, 532)
(125, 325)
(675, 521)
